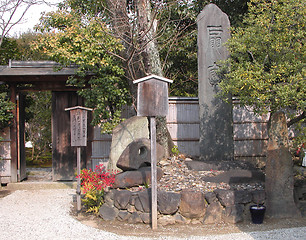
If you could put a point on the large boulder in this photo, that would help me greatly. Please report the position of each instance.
(108, 213)
(192, 204)
(138, 154)
(128, 131)
(135, 178)
(168, 202)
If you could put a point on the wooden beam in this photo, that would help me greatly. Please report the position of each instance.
(13, 134)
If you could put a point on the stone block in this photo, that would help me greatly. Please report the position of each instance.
(232, 197)
(135, 178)
(168, 202)
(143, 202)
(123, 216)
(211, 197)
(138, 154)
(146, 217)
(225, 197)
(213, 213)
(233, 214)
(192, 204)
(125, 133)
(122, 198)
(108, 213)
(134, 218)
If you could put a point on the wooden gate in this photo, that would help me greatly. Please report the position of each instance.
(63, 155)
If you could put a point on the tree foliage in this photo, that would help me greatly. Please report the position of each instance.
(73, 38)
(178, 43)
(6, 107)
(38, 122)
(267, 58)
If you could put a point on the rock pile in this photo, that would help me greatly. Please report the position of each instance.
(188, 206)
(177, 177)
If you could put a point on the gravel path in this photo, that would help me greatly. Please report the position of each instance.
(44, 214)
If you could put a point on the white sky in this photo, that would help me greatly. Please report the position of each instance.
(31, 17)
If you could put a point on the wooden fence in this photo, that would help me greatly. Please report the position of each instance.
(5, 156)
(250, 132)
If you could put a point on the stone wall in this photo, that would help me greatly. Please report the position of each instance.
(228, 206)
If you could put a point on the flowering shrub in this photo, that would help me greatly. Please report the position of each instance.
(93, 184)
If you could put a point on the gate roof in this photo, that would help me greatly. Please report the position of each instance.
(37, 75)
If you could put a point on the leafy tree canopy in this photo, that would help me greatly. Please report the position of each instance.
(70, 37)
(267, 58)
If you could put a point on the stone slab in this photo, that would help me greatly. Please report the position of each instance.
(135, 178)
(138, 154)
(216, 121)
(128, 131)
(237, 176)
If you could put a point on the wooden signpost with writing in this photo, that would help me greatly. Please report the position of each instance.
(78, 127)
(152, 101)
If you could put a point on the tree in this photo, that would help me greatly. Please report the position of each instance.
(12, 12)
(70, 37)
(38, 123)
(8, 50)
(6, 106)
(266, 68)
(178, 44)
(26, 53)
(105, 23)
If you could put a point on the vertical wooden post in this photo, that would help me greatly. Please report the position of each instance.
(13, 134)
(153, 172)
(78, 191)
(152, 101)
(78, 128)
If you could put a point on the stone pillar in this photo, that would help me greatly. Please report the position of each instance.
(279, 171)
(216, 121)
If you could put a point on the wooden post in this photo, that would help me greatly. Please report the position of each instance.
(78, 128)
(78, 191)
(153, 172)
(13, 135)
(152, 101)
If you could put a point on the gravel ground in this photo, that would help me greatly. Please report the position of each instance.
(45, 214)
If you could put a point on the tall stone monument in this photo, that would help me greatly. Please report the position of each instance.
(279, 185)
(216, 121)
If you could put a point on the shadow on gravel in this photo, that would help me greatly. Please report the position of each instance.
(4, 193)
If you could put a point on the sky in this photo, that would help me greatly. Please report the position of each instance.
(32, 17)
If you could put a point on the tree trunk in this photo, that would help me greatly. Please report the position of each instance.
(141, 55)
(151, 64)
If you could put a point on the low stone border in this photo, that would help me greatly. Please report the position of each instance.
(227, 206)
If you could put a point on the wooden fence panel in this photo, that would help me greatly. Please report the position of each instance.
(250, 131)
(5, 156)
(183, 123)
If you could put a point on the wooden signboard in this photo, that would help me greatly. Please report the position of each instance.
(152, 96)
(152, 101)
(78, 120)
(78, 126)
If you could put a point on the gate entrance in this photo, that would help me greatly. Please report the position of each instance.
(40, 76)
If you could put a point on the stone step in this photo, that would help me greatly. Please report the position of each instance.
(39, 185)
(237, 176)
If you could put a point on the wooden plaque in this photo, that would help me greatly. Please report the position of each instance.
(78, 126)
(152, 96)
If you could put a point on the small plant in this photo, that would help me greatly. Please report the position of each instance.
(93, 185)
(175, 151)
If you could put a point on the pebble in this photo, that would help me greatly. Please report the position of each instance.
(178, 177)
